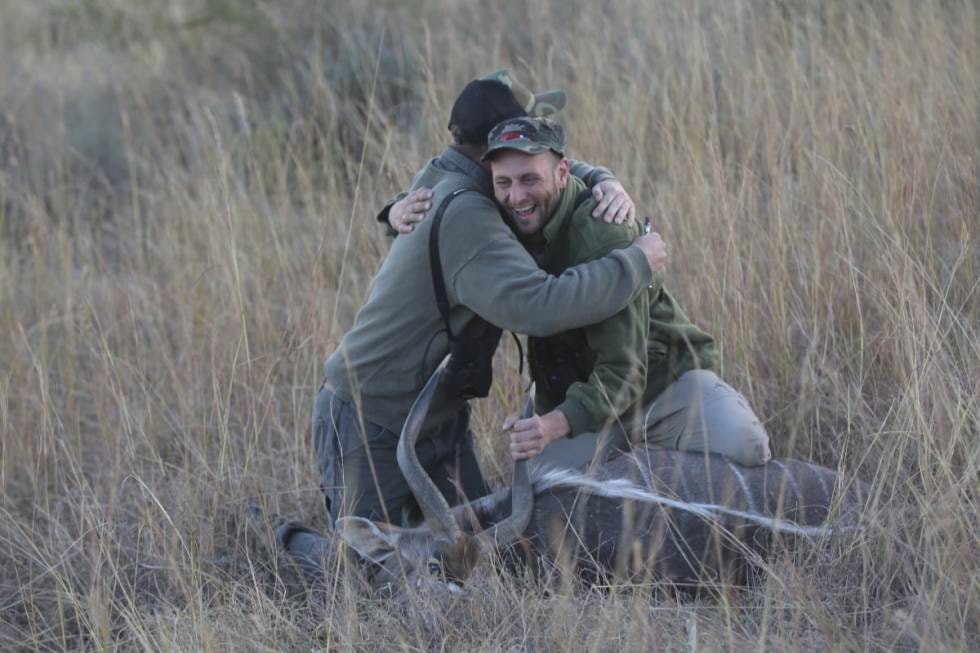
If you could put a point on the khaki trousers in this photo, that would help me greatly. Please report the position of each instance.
(697, 412)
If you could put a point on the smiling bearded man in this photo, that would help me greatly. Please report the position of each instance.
(642, 375)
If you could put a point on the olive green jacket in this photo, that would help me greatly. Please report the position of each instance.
(623, 362)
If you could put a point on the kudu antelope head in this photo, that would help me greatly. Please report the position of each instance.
(437, 554)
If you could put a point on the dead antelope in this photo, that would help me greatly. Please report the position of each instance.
(684, 518)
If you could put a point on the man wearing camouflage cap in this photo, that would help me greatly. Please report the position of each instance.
(398, 337)
(642, 375)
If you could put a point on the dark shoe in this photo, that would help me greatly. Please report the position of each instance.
(271, 533)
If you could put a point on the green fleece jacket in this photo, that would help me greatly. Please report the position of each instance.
(398, 338)
(595, 374)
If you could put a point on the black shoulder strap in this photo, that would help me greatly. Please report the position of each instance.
(581, 198)
(435, 263)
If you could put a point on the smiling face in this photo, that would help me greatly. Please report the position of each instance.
(528, 186)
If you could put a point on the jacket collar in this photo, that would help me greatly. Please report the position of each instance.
(456, 161)
(562, 217)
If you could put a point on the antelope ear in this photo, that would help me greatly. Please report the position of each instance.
(364, 536)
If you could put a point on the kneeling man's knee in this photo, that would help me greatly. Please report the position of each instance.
(711, 415)
(737, 431)
(750, 444)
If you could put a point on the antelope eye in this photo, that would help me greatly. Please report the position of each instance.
(435, 569)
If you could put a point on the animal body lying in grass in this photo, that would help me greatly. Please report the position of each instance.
(685, 518)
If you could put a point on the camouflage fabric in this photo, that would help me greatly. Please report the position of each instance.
(528, 135)
(540, 104)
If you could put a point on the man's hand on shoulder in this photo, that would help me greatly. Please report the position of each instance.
(529, 437)
(408, 211)
(614, 203)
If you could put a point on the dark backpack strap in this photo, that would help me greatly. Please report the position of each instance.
(435, 266)
(581, 198)
(520, 354)
(435, 263)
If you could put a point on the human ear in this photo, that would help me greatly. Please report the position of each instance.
(561, 172)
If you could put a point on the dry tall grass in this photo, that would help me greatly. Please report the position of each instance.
(186, 192)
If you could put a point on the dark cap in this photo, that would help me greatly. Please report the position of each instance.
(496, 97)
(528, 135)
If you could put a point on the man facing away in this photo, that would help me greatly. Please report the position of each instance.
(399, 338)
(643, 375)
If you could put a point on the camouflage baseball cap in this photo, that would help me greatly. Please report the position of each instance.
(528, 135)
(534, 104)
